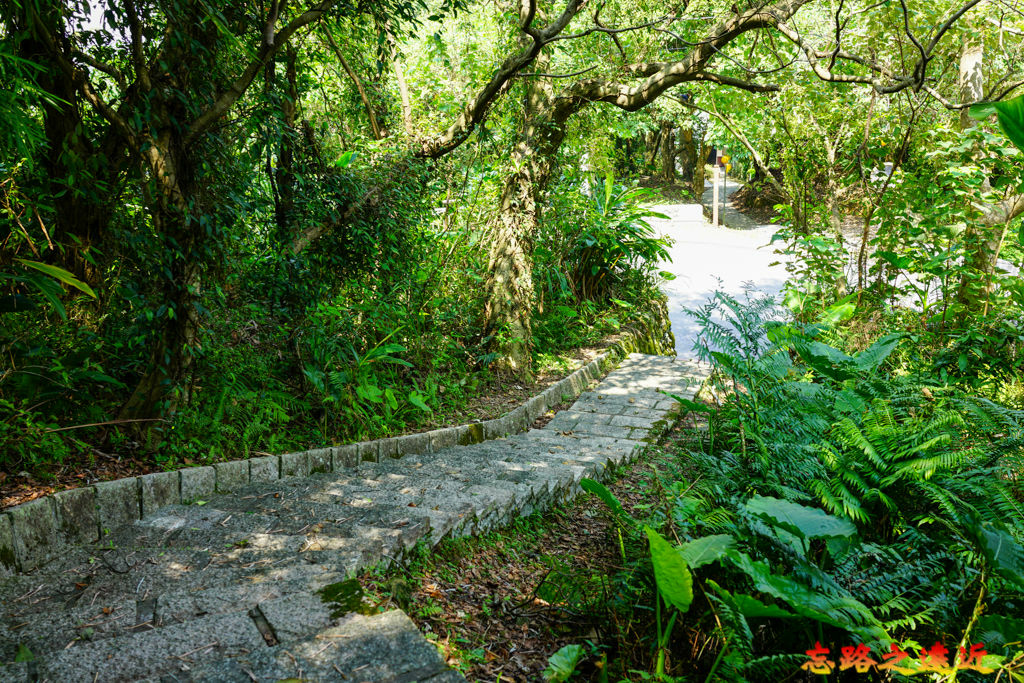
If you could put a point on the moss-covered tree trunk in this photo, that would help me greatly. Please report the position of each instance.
(983, 238)
(668, 152)
(699, 170)
(510, 296)
(173, 211)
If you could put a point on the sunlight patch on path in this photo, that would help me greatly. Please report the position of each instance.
(702, 255)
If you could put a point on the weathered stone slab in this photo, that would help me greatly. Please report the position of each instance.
(76, 515)
(267, 468)
(388, 448)
(497, 428)
(518, 420)
(443, 438)
(470, 434)
(8, 563)
(159, 489)
(36, 537)
(15, 672)
(117, 503)
(153, 652)
(232, 476)
(197, 483)
(552, 396)
(537, 406)
(368, 451)
(345, 456)
(296, 616)
(295, 464)
(382, 647)
(320, 460)
(631, 421)
(412, 444)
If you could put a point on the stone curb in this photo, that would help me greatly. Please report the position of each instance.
(33, 533)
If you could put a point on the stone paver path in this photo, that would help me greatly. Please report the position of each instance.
(231, 589)
(705, 259)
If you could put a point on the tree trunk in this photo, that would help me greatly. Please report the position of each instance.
(688, 153)
(510, 271)
(284, 175)
(653, 140)
(509, 286)
(354, 77)
(403, 92)
(699, 170)
(668, 152)
(79, 221)
(983, 238)
(173, 216)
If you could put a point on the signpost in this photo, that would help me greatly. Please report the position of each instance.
(714, 200)
(725, 177)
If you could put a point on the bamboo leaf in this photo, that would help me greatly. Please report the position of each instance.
(58, 274)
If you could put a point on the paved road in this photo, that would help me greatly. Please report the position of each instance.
(703, 255)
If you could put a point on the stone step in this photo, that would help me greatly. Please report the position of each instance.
(156, 605)
(227, 588)
(177, 649)
(231, 521)
(383, 648)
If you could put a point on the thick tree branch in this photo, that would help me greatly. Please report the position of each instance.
(359, 84)
(1005, 211)
(474, 112)
(664, 75)
(82, 83)
(270, 44)
(721, 79)
(896, 83)
(101, 66)
(138, 58)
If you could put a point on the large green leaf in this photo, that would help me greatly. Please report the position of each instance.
(58, 274)
(607, 497)
(670, 571)
(562, 665)
(840, 311)
(872, 357)
(842, 611)
(1010, 114)
(706, 550)
(748, 605)
(826, 360)
(805, 522)
(1004, 555)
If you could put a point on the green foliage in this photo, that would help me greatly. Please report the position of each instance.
(1010, 114)
(562, 665)
(917, 487)
(27, 440)
(599, 244)
(675, 584)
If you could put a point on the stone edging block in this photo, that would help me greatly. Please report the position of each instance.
(8, 562)
(33, 533)
(197, 482)
(117, 503)
(159, 489)
(77, 515)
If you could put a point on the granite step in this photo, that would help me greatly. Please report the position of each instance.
(176, 649)
(383, 648)
(226, 589)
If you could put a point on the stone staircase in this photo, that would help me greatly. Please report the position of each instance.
(245, 586)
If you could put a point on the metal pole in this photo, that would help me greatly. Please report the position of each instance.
(714, 202)
(725, 182)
